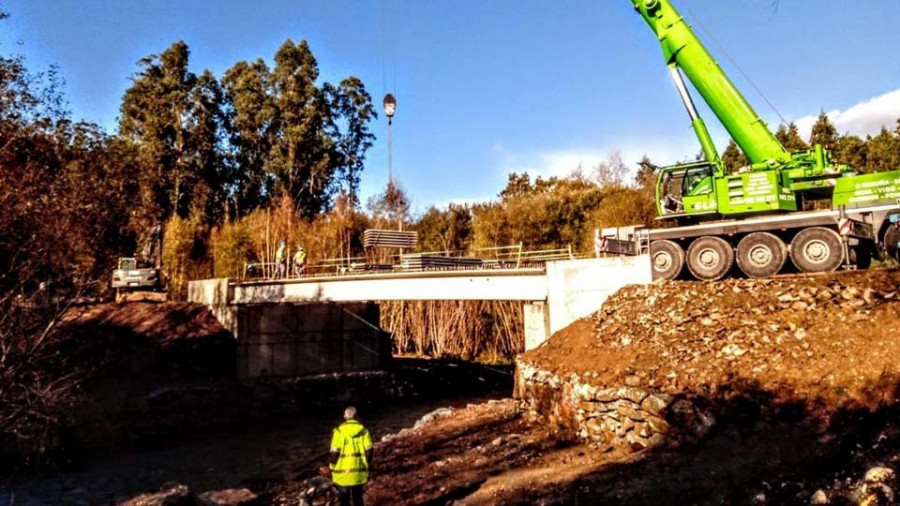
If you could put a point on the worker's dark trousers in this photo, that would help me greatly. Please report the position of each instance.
(351, 495)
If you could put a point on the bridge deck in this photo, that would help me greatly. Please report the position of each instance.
(525, 284)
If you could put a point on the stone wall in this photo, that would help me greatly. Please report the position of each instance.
(610, 415)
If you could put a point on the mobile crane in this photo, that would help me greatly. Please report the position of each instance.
(756, 215)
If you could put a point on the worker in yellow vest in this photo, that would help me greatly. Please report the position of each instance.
(351, 459)
(300, 261)
(281, 255)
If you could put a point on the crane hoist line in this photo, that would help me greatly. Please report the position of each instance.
(783, 205)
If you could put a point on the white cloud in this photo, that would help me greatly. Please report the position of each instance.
(864, 118)
(563, 162)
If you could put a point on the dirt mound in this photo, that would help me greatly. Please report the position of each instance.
(826, 341)
(101, 360)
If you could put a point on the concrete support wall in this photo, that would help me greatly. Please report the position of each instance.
(537, 324)
(314, 338)
(577, 288)
(217, 295)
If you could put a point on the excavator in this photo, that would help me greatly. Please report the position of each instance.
(140, 278)
(759, 215)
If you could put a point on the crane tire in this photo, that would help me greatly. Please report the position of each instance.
(892, 242)
(817, 249)
(667, 259)
(761, 255)
(709, 258)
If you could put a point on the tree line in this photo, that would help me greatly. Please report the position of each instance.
(872, 153)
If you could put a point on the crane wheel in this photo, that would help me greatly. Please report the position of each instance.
(761, 255)
(710, 258)
(667, 259)
(817, 249)
(892, 242)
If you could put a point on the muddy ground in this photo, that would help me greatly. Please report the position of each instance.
(253, 457)
(492, 454)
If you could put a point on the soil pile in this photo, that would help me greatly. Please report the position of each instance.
(827, 342)
(102, 363)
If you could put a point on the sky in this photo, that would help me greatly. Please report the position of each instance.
(485, 88)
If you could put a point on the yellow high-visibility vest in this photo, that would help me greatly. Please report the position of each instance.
(279, 255)
(352, 440)
(300, 257)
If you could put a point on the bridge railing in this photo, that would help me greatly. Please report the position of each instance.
(497, 257)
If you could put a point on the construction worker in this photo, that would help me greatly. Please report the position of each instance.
(351, 459)
(299, 261)
(281, 260)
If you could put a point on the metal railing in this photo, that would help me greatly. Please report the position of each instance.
(498, 257)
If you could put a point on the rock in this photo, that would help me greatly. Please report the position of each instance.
(635, 395)
(658, 425)
(228, 497)
(632, 380)
(656, 403)
(434, 415)
(658, 440)
(820, 497)
(171, 494)
(628, 410)
(880, 475)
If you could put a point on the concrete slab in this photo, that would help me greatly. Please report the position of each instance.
(523, 284)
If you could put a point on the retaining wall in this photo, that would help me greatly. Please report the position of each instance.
(611, 415)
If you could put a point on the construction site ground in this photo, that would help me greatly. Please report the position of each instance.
(801, 373)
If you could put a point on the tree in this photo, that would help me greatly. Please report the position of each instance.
(851, 150)
(289, 136)
(445, 230)
(883, 151)
(647, 173)
(611, 172)
(823, 132)
(733, 157)
(302, 158)
(390, 208)
(250, 126)
(352, 107)
(790, 138)
(174, 118)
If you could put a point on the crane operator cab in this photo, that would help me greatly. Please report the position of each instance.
(686, 189)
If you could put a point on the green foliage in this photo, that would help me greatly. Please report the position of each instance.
(733, 157)
(293, 137)
(851, 150)
(790, 138)
(548, 213)
(883, 152)
(233, 248)
(174, 118)
(823, 132)
(184, 254)
(445, 230)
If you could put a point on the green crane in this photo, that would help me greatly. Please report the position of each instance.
(776, 180)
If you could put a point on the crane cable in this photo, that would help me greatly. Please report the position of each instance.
(735, 63)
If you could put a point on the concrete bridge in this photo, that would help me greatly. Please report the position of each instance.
(554, 296)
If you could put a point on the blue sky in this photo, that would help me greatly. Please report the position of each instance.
(489, 87)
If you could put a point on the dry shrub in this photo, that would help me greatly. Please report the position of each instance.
(482, 330)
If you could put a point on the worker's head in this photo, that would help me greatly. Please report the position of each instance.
(282, 243)
(300, 248)
(350, 413)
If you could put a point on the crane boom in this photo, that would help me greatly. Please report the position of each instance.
(684, 51)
